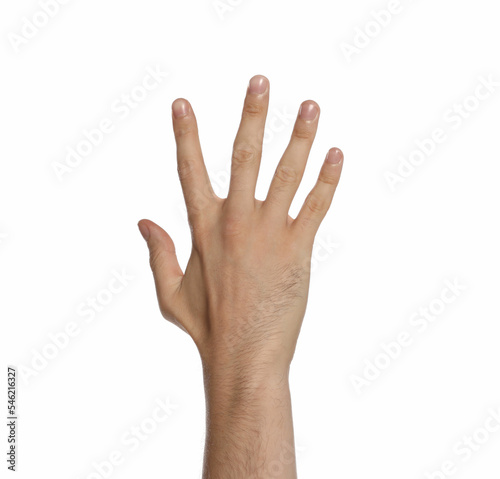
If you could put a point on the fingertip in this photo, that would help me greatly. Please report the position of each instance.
(180, 108)
(144, 229)
(334, 156)
(155, 235)
(309, 110)
(258, 85)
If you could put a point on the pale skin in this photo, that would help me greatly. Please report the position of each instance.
(243, 294)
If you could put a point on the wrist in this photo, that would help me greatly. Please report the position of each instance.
(237, 385)
(230, 359)
(234, 375)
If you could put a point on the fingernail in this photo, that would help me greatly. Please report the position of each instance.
(180, 108)
(258, 85)
(308, 111)
(334, 156)
(144, 231)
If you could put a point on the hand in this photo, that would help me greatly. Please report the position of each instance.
(243, 294)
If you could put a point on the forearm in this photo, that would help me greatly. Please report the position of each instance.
(249, 424)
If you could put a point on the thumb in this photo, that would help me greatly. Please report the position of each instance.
(162, 258)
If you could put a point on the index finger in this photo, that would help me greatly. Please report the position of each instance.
(193, 175)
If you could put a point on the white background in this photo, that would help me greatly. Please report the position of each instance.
(394, 248)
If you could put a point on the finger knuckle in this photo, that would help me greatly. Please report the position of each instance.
(186, 169)
(156, 259)
(328, 179)
(253, 109)
(303, 132)
(286, 175)
(244, 154)
(315, 204)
